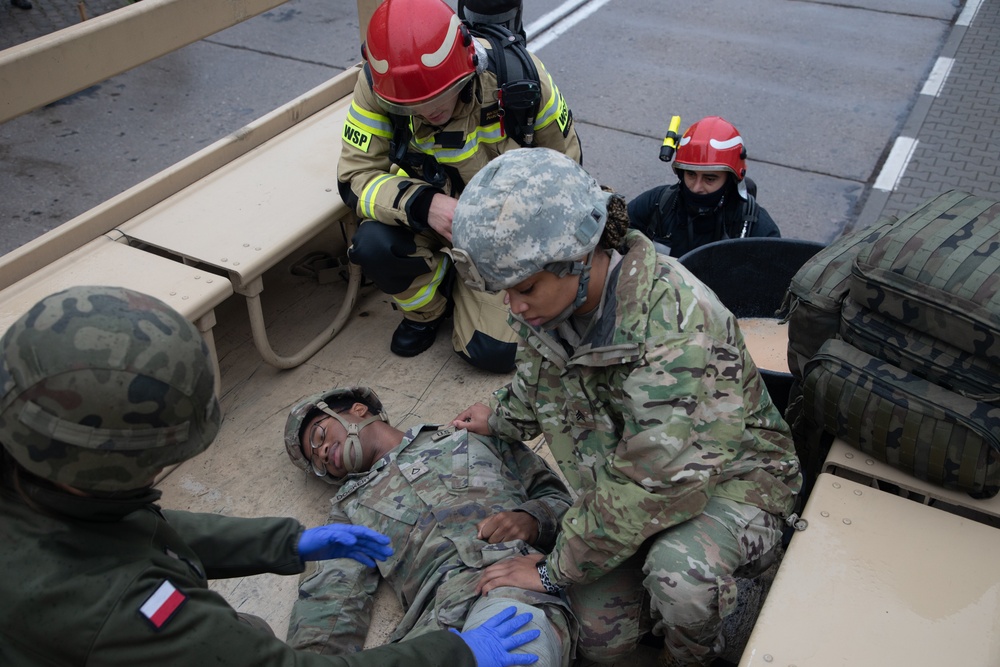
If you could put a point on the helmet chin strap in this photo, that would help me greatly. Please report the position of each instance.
(353, 452)
(581, 269)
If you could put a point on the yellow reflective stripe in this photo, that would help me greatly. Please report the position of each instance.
(489, 134)
(373, 122)
(370, 192)
(426, 293)
(550, 111)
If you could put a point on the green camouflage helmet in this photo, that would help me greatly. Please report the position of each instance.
(301, 411)
(102, 387)
(525, 211)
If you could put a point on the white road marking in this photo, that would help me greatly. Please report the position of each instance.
(579, 11)
(969, 13)
(895, 164)
(937, 77)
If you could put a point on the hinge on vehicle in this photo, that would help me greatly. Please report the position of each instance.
(793, 520)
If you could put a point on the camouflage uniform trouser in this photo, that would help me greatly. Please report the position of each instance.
(681, 586)
(412, 269)
(555, 646)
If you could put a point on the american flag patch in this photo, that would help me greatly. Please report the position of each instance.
(162, 604)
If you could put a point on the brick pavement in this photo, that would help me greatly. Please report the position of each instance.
(19, 25)
(958, 131)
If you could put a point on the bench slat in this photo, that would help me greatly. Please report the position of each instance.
(193, 293)
(846, 461)
(250, 214)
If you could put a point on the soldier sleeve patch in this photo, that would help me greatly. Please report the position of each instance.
(357, 137)
(161, 606)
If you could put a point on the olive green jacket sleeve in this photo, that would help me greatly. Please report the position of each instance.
(206, 631)
(236, 547)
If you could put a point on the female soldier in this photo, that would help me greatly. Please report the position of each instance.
(100, 389)
(711, 201)
(642, 386)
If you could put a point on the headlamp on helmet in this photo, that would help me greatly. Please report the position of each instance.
(713, 144)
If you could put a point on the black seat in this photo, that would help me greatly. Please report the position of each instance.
(750, 277)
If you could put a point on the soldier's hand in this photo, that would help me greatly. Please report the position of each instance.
(474, 419)
(493, 641)
(519, 571)
(506, 526)
(441, 213)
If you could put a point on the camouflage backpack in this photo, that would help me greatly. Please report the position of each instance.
(915, 379)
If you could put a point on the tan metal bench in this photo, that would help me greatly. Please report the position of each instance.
(846, 461)
(876, 579)
(253, 212)
(255, 195)
(192, 292)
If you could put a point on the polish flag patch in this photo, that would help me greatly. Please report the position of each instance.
(162, 604)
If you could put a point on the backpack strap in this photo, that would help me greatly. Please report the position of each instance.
(751, 213)
(519, 90)
(657, 229)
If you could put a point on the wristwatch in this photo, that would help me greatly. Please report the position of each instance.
(543, 574)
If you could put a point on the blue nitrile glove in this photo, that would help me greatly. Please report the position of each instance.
(343, 540)
(493, 641)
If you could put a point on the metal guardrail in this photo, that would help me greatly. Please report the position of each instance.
(51, 67)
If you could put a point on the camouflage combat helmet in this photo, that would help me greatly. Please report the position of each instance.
(529, 210)
(301, 411)
(102, 387)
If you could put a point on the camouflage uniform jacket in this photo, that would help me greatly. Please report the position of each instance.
(81, 578)
(470, 140)
(427, 495)
(658, 409)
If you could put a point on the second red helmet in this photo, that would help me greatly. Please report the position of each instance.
(712, 144)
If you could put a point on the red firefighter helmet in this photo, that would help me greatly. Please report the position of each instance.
(712, 144)
(417, 50)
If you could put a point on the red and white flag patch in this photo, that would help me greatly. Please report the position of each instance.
(162, 604)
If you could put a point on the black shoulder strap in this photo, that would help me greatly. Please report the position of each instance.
(751, 213)
(518, 84)
(658, 230)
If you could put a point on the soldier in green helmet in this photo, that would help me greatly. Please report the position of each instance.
(452, 502)
(100, 389)
(640, 381)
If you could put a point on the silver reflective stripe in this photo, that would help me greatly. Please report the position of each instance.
(37, 419)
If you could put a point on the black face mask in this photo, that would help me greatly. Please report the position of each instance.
(702, 204)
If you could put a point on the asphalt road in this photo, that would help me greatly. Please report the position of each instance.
(819, 91)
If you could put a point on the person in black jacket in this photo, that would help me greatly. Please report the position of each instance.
(712, 200)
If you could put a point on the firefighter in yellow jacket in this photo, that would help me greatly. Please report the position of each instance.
(431, 103)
